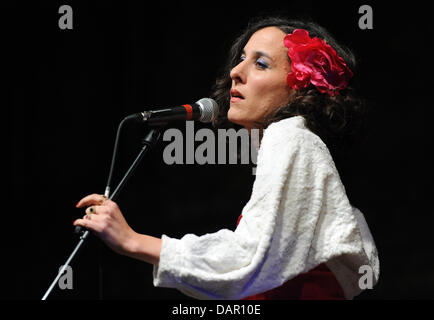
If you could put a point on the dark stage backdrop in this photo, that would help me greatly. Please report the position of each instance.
(67, 90)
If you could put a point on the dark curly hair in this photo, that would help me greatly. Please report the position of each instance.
(338, 120)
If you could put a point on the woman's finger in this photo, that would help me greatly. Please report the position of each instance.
(92, 210)
(85, 223)
(92, 199)
(90, 222)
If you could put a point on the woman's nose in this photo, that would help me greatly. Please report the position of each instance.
(238, 74)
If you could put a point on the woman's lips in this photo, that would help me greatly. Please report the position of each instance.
(236, 99)
(236, 96)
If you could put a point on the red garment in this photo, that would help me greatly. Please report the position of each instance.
(316, 284)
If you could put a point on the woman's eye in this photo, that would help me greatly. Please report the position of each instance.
(261, 64)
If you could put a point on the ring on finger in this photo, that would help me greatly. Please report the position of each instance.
(104, 198)
(91, 210)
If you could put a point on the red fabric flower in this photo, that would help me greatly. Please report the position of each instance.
(314, 61)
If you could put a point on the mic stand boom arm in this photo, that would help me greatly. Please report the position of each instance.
(149, 142)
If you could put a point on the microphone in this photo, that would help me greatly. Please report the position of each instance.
(204, 110)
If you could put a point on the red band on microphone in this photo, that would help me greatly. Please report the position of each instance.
(189, 110)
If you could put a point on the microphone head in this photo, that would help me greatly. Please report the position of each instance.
(209, 109)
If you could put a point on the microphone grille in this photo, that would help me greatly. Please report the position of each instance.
(209, 108)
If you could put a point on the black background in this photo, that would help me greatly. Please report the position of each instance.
(67, 90)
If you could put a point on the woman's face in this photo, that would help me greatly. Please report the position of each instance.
(259, 81)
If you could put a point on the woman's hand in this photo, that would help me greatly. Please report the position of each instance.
(105, 219)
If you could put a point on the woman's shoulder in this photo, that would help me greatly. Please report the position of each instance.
(291, 131)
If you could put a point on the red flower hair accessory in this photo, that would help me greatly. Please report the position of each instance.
(314, 61)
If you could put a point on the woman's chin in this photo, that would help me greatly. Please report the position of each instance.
(235, 117)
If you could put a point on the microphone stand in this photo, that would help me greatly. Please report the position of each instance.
(148, 142)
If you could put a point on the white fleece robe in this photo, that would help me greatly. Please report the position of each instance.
(298, 217)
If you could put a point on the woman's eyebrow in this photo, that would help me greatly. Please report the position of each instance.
(259, 54)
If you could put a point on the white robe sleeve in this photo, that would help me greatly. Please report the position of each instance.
(298, 217)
